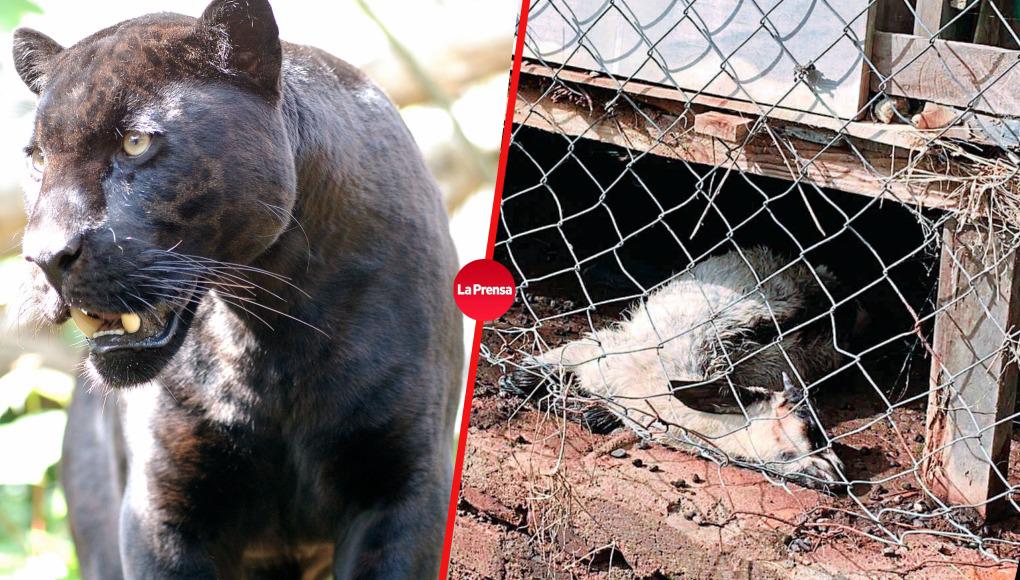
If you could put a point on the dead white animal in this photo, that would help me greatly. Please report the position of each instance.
(710, 353)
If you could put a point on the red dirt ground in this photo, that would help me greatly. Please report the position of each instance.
(543, 498)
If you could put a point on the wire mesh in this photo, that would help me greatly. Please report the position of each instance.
(706, 299)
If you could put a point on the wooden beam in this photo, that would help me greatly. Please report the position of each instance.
(974, 373)
(672, 135)
(894, 16)
(894, 135)
(947, 72)
(990, 28)
(931, 16)
(729, 128)
(865, 48)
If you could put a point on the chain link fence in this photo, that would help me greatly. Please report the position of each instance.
(780, 234)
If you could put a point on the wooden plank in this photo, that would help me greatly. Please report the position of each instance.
(973, 381)
(903, 136)
(931, 16)
(726, 48)
(895, 16)
(672, 135)
(990, 28)
(947, 72)
(729, 128)
(866, 46)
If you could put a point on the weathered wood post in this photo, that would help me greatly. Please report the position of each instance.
(931, 16)
(974, 372)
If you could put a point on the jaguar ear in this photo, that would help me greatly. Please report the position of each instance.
(33, 53)
(250, 42)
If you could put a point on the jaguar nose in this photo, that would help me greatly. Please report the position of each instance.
(56, 264)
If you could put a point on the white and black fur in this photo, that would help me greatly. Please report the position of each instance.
(703, 355)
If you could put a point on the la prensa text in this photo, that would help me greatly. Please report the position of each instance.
(483, 290)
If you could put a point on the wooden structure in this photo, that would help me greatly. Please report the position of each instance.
(822, 139)
(973, 378)
(729, 49)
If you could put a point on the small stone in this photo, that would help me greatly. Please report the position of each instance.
(946, 550)
(680, 484)
(698, 520)
(697, 479)
(907, 486)
(919, 438)
(690, 514)
(618, 454)
(638, 463)
(800, 545)
(654, 469)
(890, 552)
(644, 444)
(918, 506)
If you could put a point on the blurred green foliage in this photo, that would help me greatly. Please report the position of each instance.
(11, 12)
(34, 540)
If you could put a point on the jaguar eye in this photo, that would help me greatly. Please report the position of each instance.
(136, 143)
(38, 159)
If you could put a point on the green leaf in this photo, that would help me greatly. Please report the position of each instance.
(11, 12)
(31, 445)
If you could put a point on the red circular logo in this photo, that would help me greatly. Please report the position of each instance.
(484, 289)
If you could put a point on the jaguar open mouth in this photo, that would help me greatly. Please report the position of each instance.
(108, 331)
(132, 348)
(154, 327)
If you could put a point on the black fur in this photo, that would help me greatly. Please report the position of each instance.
(716, 396)
(255, 445)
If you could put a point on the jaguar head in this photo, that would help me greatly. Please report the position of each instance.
(159, 169)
